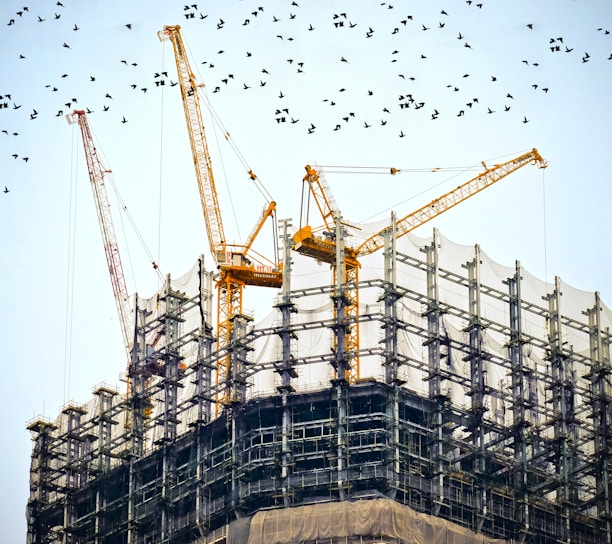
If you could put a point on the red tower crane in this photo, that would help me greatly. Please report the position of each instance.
(97, 172)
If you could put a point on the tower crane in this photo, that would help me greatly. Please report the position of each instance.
(97, 172)
(323, 247)
(238, 264)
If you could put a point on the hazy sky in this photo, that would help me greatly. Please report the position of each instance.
(408, 84)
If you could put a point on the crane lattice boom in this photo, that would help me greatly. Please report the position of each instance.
(199, 147)
(97, 172)
(452, 198)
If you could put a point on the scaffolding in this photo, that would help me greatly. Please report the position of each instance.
(484, 402)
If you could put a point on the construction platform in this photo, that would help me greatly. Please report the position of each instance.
(480, 414)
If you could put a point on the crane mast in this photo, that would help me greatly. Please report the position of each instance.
(323, 248)
(236, 269)
(97, 172)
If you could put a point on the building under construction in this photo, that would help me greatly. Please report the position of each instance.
(420, 394)
(480, 413)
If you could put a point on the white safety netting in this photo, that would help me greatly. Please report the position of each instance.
(317, 341)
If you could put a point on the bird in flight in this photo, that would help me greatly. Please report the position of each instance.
(6, 189)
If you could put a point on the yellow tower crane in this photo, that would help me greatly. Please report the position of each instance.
(323, 247)
(238, 265)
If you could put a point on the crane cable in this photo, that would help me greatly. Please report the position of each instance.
(123, 206)
(544, 226)
(161, 163)
(340, 169)
(226, 134)
(257, 182)
(377, 170)
(216, 125)
(70, 266)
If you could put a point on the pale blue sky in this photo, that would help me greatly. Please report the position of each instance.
(60, 335)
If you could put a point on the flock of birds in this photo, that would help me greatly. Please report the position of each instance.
(390, 44)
